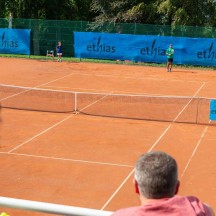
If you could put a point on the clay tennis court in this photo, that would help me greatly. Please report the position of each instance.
(87, 161)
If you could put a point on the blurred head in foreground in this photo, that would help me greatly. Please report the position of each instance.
(156, 175)
(156, 182)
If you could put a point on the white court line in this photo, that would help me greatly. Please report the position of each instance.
(34, 87)
(89, 90)
(88, 106)
(53, 80)
(134, 77)
(193, 153)
(70, 160)
(49, 128)
(161, 136)
(44, 131)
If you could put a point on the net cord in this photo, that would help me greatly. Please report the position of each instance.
(98, 93)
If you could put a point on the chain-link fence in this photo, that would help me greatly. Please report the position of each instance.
(46, 33)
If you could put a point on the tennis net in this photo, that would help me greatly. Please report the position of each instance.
(144, 107)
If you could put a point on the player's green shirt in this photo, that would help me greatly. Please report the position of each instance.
(170, 52)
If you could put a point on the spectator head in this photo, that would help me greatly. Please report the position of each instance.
(156, 175)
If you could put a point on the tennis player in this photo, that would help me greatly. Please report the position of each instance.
(169, 53)
(59, 51)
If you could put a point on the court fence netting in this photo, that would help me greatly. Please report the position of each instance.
(176, 109)
(46, 33)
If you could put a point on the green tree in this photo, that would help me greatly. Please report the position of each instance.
(2, 6)
(117, 11)
(168, 12)
(83, 10)
(165, 12)
(47, 9)
(184, 12)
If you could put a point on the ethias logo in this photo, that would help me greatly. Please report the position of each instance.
(7, 43)
(100, 47)
(207, 54)
(153, 50)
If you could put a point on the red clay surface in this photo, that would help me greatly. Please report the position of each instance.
(87, 161)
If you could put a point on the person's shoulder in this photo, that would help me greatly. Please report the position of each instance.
(195, 202)
(210, 209)
(127, 211)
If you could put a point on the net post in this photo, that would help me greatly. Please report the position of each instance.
(197, 111)
(75, 102)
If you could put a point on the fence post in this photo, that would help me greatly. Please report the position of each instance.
(135, 27)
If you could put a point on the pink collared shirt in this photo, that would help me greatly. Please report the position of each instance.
(175, 206)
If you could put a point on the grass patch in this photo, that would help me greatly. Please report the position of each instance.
(104, 61)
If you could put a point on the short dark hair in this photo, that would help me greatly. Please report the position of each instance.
(156, 174)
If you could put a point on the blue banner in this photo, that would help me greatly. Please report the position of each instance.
(15, 41)
(213, 110)
(192, 51)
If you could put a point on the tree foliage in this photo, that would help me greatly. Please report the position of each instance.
(47, 9)
(124, 11)
(161, 12)
(169, 12)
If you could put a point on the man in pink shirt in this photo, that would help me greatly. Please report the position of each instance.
(156, 182)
